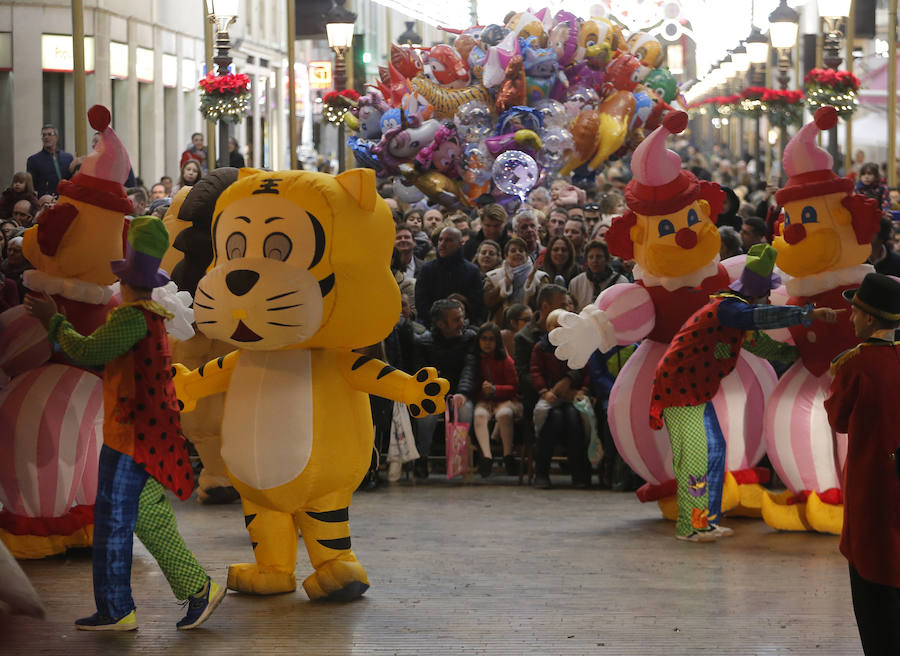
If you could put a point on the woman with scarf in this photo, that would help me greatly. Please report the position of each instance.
(597, 276)
(517, 280)
(559, 261)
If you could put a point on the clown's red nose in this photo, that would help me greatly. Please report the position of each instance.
(794, 233)
(686, 238)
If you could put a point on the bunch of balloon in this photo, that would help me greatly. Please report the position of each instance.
(507, 106)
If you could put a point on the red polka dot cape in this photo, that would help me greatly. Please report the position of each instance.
(700, 355)
(145, 413)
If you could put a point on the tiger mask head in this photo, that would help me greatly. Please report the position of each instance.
(301, 259)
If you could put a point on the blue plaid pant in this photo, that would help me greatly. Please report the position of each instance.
(130, 502)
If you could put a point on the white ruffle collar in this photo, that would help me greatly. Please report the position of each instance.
(70, 288)
(693, 279)
(825, 280)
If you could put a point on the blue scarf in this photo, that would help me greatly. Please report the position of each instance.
(520, 276)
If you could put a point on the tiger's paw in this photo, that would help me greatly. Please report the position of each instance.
(181, 376)
(250, 579)
(337, 580)
(425, 392)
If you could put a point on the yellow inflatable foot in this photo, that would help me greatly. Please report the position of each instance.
(824, 517)
(779, 515)
(750, 504)
(250, 578)
(337, 580)
(669, 507)
(731, 495)
(25, 547)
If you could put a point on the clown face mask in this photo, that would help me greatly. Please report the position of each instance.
(674, 245)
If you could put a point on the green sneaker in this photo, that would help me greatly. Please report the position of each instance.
(98, 622)
(201, 606)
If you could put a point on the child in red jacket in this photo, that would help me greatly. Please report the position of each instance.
(496, 397)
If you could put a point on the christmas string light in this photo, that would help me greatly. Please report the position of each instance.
(225, 97)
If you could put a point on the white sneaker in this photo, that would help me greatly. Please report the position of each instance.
(722, 531)
(698, 536)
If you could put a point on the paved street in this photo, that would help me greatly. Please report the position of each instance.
(486, 569)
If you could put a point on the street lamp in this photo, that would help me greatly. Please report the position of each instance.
(410, 37)
(832, 13)
(339, 26)
(758, 51)
(783, 25)
(222, 13)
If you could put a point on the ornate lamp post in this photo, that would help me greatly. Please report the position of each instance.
(783, 25)
(339, 26)
(758, 51)
(410, 37)
(222, 13)
(833, 12)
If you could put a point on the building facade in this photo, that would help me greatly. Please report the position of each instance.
(143, 61)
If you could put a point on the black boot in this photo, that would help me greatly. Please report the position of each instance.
(485, 466)
(420, 469)
(512, 467)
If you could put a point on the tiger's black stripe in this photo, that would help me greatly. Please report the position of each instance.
(331, 516)
(248, 519)
(326, 285)
(360, 361)
(385, 371)
(320, 240)
(338, 544)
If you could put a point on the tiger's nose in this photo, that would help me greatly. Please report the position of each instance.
(241, 281)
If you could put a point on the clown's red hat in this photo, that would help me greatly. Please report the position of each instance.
(809, 168)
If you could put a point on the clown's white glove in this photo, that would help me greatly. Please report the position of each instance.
(179, 304)
(579, 335)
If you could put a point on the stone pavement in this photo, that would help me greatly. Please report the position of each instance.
(485, 569)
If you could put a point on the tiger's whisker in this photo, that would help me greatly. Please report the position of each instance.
(285, 325)
(282, 295)
(284, 307)
(202, 322)
(205, 307)
(205, 294)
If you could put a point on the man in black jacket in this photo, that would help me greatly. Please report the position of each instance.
(493, 226)
(449, 347)
(449, 274)
(49, 165)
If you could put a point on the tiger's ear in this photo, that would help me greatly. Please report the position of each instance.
(246, 172)
(360, 184)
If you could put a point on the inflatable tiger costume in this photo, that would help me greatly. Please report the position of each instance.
(300, 276)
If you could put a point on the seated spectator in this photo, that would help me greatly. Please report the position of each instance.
(449, 273)
(22, 214)
(15, 264)
(432, 220)
(597, 276)
(555, 417)
(449, 347)
(559, 262)
(157, 191)
(138, 198)
(404, 242)
(753, 231)
(21, 188)
(525, 226)
(10, 229)
(731, 242)
(493, 222)
(883, 257)
(406, 284)
(488, 257)
(517, 280)
(870, 184)
(556, 222)
(576, 232)
(518, 315)
(496, 393)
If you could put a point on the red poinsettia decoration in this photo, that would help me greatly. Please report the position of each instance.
(332, 95)
(838, 80)
(783, 96)
(228, 84)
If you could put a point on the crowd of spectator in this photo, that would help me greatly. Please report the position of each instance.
(480, 289)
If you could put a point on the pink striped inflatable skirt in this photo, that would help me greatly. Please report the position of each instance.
(739, 406)
(807, 455)
(51, 430)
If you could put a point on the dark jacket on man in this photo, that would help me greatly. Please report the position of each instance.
(454, 358)
(443, 276)
(47, 170)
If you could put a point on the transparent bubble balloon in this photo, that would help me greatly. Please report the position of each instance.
(406, 194)
(473, 121)
(557, 146)
(580, 99)
(515, 173)
(478, 164)
(553, 113)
